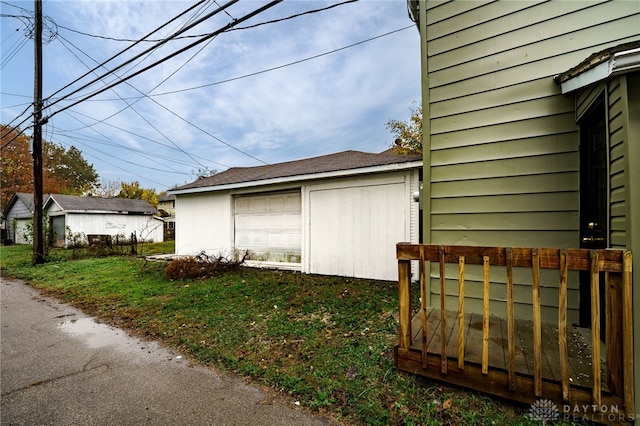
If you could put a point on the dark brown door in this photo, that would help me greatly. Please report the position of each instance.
(594, 197)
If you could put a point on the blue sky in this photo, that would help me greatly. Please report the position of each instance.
(247, 97)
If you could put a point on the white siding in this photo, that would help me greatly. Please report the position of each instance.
(21, 215)
(204, 222)
(355, 226)
(146, 227)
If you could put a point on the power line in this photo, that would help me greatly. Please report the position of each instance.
(142, 137)
(228, 80)
(128, 48)
(202, 35)
(134, 110)
(147, 154)
(164, 41)
(184, 49)
(179, 116)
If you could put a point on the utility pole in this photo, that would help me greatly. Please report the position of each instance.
(38, 238)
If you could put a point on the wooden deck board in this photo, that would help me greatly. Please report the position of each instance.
(579, 346)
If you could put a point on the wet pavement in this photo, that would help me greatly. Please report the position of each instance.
(60, 367)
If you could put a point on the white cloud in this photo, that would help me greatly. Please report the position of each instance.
(332, 103)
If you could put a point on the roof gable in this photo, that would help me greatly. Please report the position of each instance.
(26, 199)
(341, 161)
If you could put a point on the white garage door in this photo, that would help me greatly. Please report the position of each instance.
(270, 226)
(354, 230)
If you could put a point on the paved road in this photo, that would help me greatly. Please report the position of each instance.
(60, 367)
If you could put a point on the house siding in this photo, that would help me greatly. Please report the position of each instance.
(147, 227)
(205, 223)
(617, 104)
(504, 147)
(17, 219)
(632, 207)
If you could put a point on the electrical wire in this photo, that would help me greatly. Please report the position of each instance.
(164, 41)
(202, 35)
(279, 66)
(133, 109)
(12, 52)
(142, 137)
(224, 28)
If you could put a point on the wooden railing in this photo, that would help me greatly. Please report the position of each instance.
(616, 264)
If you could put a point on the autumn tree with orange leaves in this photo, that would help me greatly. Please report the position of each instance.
(64, 171)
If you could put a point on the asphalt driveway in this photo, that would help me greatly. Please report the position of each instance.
(60, 367)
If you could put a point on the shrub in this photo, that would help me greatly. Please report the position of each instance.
(203, 265)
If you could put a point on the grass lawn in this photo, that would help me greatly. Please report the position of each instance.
(326, 342)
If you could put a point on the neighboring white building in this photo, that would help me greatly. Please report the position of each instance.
(17, 215)
(339, 214)
(102, 216)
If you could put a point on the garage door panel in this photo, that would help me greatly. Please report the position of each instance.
(269, 225)
(358, 234)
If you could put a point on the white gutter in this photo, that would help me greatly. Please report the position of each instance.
(300, 178)
(619, 63)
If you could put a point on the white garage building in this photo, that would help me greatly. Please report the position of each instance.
(338, 214)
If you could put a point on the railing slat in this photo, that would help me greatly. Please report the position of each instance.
(537, 325)
(485, 315)
(423, 306)
(562, 327)
(443, 314)
(511, 318)
(595, 330)
(627, 339)
(461, 323)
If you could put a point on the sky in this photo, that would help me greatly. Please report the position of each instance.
(322, 82)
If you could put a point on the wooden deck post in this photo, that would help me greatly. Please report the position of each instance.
(511, 321)
(404, 301)
(562, 327)
(443, 313)
(485, 315)
(627, 338)
(461, 324)
(613, 333)
(423, 306)
(595, 330)
(537, 326)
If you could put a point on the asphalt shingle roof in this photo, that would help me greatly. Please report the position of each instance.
(346, 160)
(88, 204)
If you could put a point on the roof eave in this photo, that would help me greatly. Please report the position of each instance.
(619, 63)
(300, 178)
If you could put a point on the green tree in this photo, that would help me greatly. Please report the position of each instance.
(408, 133)
(133, 191)
(71, 168)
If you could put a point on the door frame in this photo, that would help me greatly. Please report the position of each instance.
(591, 234)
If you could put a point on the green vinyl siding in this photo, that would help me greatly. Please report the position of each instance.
(618, 136)
(503, 141)
(586, 98)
